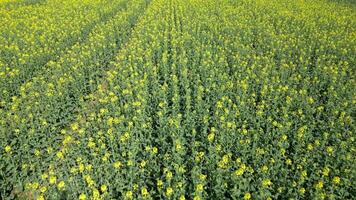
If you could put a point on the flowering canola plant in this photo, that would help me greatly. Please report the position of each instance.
(177, 99)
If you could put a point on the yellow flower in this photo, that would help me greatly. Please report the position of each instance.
(200, 187)
(41, 197)
(196, 198)
(60, 155)
(103, 110)
(178, 146)
(144, 192)
(143, 164)
(169, 175)
(301, 131)
(49, 150)
(89, 180)
(43, 189)
(239, 171)
(130, 163)
(266, 182)
(180, 184)
(275, 123)
(67, 140)
(326, 171)
(124, 137)
(81, 131)
(96, 194)
(91, 144)
(182, 197)
(117, 164)
(199, 156)
(319, 185)
(169, 191)
(35, 185)
(211, 137)
(289, 161)
(181, 169)
(129, 195)
(336, 180)
(238, 160)
(37, 152)
(52, 180)
(159, 183)
(224, 162)
(74, 126)
(61, 185)
(89, 167)
(110, 121)
(264, 168)
(302, 190)
(104, 158)
(218, 147)
(104, 188)
(225, 159)
(202, 177)
(7, 149)
(81, 167)
(82, 197)
(304, 173)
(44, 176)
(155, 150)
(147, 148)
(284, 137)
(247, 196)
(136, 103)
(317, 142)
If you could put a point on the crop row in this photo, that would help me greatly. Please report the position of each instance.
(48, 100)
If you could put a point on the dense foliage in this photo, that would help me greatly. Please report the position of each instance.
(177, 99)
